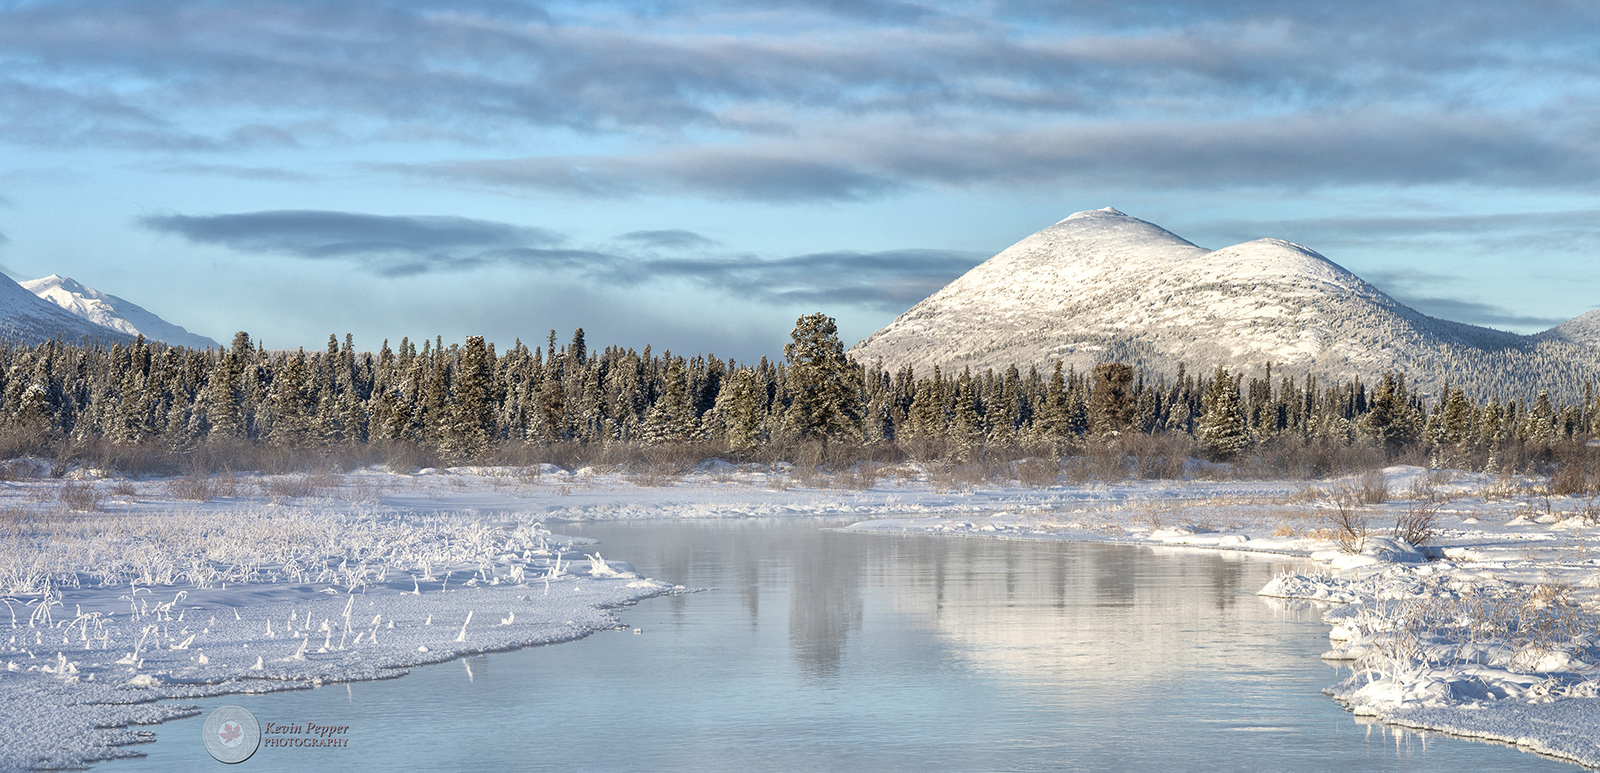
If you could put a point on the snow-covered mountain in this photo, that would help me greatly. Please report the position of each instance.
(107, 310)
(1101, 285)
(1583, 329)
(30, 319)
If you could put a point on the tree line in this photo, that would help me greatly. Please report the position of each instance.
(465, 401)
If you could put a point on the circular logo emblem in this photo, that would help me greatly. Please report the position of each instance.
(231, 734)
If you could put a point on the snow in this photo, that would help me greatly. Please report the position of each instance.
(122, 615)
(1583, 329)
(1492, 631)
(31, 319)
(110, 311)
(111, 616)
(1101, 285)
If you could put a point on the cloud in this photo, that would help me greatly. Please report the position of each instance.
(395, 246)
(670, 239)
(1361, 147)
(389, 245)
(1474, 313)
(1336, 228)
(1419, 290)
(1023, 81)
(755, 174)
(239, 171)
(890, 280)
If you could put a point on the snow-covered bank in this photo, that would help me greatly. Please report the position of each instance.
(1492, 631)
(265, 562)
(113, 614)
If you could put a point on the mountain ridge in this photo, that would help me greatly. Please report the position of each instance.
(1101, 285)
(109, 311)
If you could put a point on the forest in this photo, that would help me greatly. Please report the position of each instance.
(149, 407)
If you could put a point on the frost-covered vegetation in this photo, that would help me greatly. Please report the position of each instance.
(150, 408)
(153, 598)
(1462, 602)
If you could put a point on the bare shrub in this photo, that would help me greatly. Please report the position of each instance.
(195, 487)
(1159, 457)
(863, 476)
(1373, 487)
(1107, 462)
(1418, 523)
(1037, 473)
(1077, 471)
(80, 496)
(947, 477)
(407, 458)
(1348, 521)
(124, 488)
(289, 486)
(1574, 477)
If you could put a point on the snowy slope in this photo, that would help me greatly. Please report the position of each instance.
(110, 311)
(1101, 285)
(29, 318)
(1583, 329)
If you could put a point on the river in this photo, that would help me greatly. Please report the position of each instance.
(820, 650)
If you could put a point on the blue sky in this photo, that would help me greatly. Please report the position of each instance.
(695, 175)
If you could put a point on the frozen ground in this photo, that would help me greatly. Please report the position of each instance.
(124, 592)
(109, 612)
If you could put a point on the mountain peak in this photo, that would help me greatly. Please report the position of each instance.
(1101, 285)
(108, 311)
(1088, 213)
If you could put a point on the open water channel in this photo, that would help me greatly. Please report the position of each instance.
(819, 650)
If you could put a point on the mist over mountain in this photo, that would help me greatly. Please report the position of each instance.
(1102, 286)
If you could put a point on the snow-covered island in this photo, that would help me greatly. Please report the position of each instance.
(127, 596)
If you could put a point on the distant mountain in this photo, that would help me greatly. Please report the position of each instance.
(107, 310)
(1101, 286)
(27, 317)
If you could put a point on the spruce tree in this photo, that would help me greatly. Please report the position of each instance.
(823, 385)
(1111, 404)
(1223, 432)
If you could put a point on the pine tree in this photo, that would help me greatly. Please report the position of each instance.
(471, 422)
(1111, 404)
(823, 385)
(738, 413)
(671, 418)
(290, 401)
(1223, 432)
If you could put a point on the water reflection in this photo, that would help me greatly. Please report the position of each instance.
(829, 651)
(825, 607)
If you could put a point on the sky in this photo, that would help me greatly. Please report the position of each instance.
(696, 175)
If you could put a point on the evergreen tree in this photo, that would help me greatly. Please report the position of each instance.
(1223, 432)
(471, 410)
(823, 385)
(1111, 404)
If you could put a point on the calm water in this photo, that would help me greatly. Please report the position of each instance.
(840, 652)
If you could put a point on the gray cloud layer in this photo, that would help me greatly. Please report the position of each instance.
(403, 246)
(786, 100)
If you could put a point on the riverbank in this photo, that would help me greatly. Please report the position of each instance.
(116, 615)
(1491, 630)
(128, 593)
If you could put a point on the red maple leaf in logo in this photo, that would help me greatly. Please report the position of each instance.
(230, 733)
